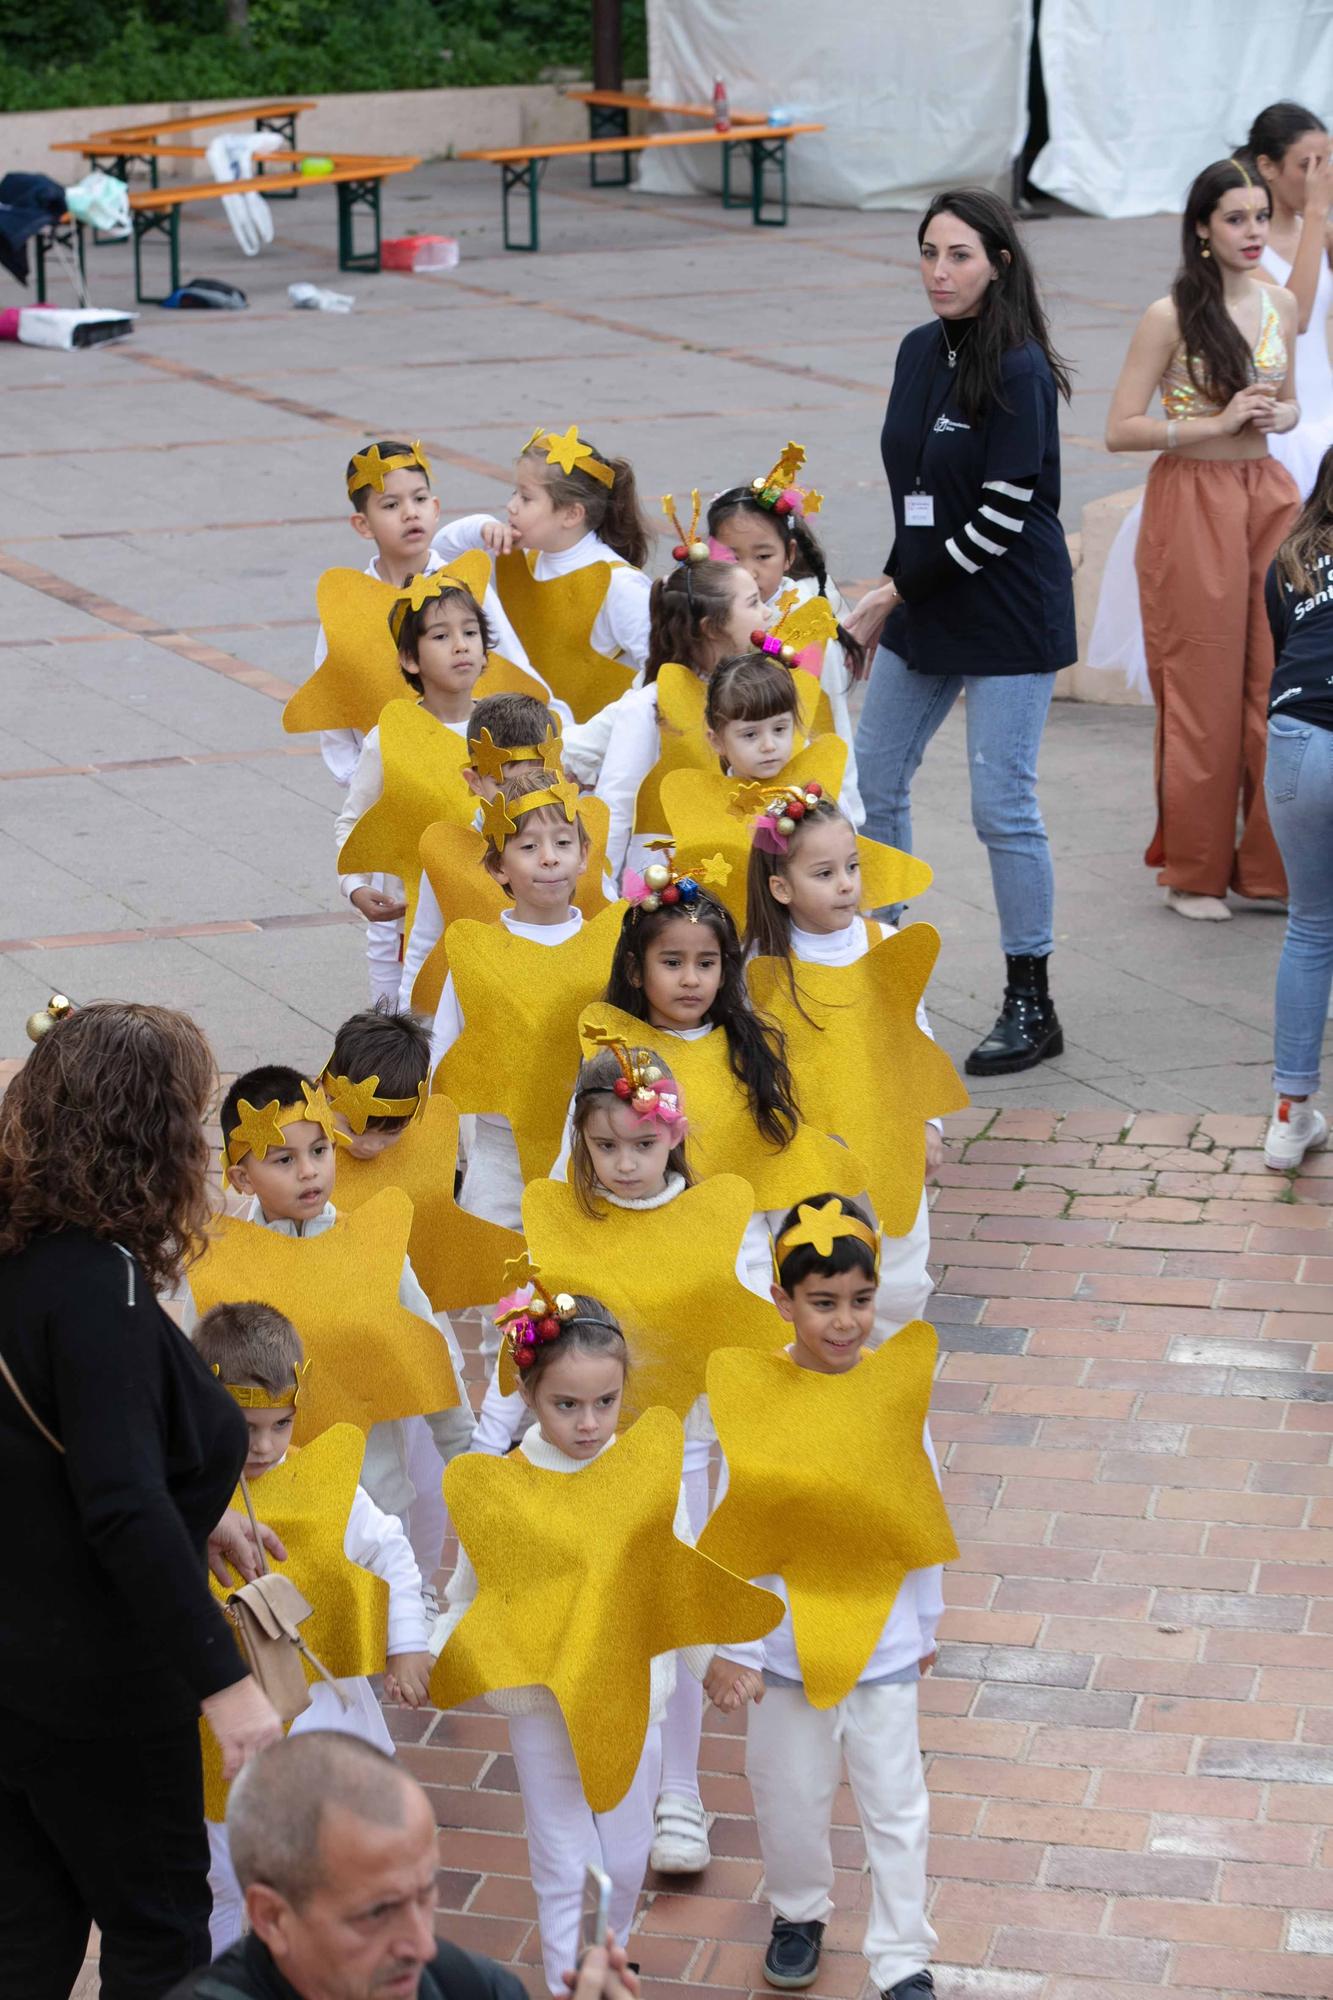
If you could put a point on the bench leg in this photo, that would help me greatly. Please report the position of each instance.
(608, 121)
(285, 126)
(63, 235)
(39, 260)
(524, 178)
(353, 195)
(157, 222)
(730, 199)
(765, 153)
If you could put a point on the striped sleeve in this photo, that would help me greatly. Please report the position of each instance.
(996, 525)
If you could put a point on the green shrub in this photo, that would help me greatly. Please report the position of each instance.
(90, 52)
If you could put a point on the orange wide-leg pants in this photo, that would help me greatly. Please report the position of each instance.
(1210, 529)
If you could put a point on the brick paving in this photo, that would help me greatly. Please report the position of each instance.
(1129, 1732)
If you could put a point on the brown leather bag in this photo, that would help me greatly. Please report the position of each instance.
(267, 1615)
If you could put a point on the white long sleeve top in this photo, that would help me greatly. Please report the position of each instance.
(366, 788)
(835, 679)
(634, 747)
(907, 1636)
(620, 627)
(461, 1590)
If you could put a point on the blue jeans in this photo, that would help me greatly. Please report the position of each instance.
(1006, 714)
(1298, 785)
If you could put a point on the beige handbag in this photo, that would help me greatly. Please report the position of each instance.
(267, 1615)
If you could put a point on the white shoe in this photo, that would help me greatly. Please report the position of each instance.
(430, 1598)
(1204, 909)
(680, 1836)
(1294, 1130)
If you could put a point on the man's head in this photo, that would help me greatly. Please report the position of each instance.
(334, 1847)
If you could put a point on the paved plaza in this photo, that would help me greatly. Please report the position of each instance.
(1130, 1731)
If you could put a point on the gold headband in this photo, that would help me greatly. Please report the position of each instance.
(528, 1324)
(500, 816)
(419, 591)
(262, 1130)
(821, 1228)
(358, 1103)
(489, 757)
(1243, 171)
(252, 1398)
(369, 467)
(689, 547)
(569, 451)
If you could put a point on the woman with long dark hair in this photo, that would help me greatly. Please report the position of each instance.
(1220, 349)
(980, 598)
(118, 1454)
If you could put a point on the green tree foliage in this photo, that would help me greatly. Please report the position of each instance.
(89, 52)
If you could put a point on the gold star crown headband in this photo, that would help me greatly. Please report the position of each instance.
(251, 1397)
(260, 1130)
(359, 1102)
(778, 809)
(777, 490)
(369, 467)
(489, 757)
(820, 1228)
(643, 1086)
(570, 452)
(419, 591)
(500, 816)
(532, 1315)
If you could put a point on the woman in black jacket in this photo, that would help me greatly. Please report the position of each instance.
(981, 597)
(118, 1454)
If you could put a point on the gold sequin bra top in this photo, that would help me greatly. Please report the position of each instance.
(1180, 398)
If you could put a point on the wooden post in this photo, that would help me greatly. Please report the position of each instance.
(608, 61)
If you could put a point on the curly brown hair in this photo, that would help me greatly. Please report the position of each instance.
(102, 1129)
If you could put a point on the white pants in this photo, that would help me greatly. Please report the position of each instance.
(793, 1759)
(565, 1835)
(384, 950)
(493, 1179)
(427, 1516)
(362, 1717)
(403, 1472)
(683, 1723)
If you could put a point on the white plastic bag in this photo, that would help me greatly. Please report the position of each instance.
(102, 200)
(231, 157)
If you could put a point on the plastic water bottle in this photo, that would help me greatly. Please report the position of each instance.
(721, 107)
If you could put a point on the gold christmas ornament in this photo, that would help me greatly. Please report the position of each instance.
(530, 994)
(554, 621)
(829, 1488)
(458, 1257)
(423, 782)
(57, 1009)
(307, 1501)
(451, 860)
(372, 1358)
(581, 1583)
(724, 1138)
(866, 1070)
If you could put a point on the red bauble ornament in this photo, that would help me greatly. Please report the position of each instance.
(679, 553)
(796, 810)
(816, 788)
(623, 1086)
(671, 894)
(548, 1327)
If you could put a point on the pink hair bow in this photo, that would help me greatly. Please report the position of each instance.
(719, 552)
(661, 1107)
(767, 836)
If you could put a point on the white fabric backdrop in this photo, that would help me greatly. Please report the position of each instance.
(916, 97)
(1143, 93)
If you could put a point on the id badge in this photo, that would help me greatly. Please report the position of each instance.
(919, 511)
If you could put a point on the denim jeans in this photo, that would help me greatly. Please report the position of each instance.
(1006, 714)
(1298, 785)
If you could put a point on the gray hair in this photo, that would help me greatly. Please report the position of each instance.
(276, 1807)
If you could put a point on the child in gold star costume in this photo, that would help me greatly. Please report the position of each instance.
(751, 716)
(804, 908)
(290, 1185)
(572, 1365)
(569, 570)
(766, 525)
(826, 1263)
(258, 1355)
(702, 612)
(442, 646)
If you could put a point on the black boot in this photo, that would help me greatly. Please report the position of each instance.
(1027, 1031)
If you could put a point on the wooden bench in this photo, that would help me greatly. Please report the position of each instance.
(119, 148)
(608, 118)
(521, 168)
(156, 212)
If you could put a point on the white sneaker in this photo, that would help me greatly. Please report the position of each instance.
(680, 1836)
(1204, 909)
(1294, 1130)
(430, 1599)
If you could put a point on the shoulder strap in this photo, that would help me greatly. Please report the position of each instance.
(27, 1408)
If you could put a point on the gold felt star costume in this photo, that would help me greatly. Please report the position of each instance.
(423, 782)
(724, 1138)
(864, 1068)
(518, 1054)
(708, 816)
(684, 747)
(580, 1583)
(554, 620)
(668, 1274)
(829, 1487)
(458, 1257)
(372, 1358)
(307, 1501)
(451, 860)
(360, 672)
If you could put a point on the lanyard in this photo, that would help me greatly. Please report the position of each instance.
(927, 427)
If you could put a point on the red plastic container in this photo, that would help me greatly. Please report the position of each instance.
(419, 253)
